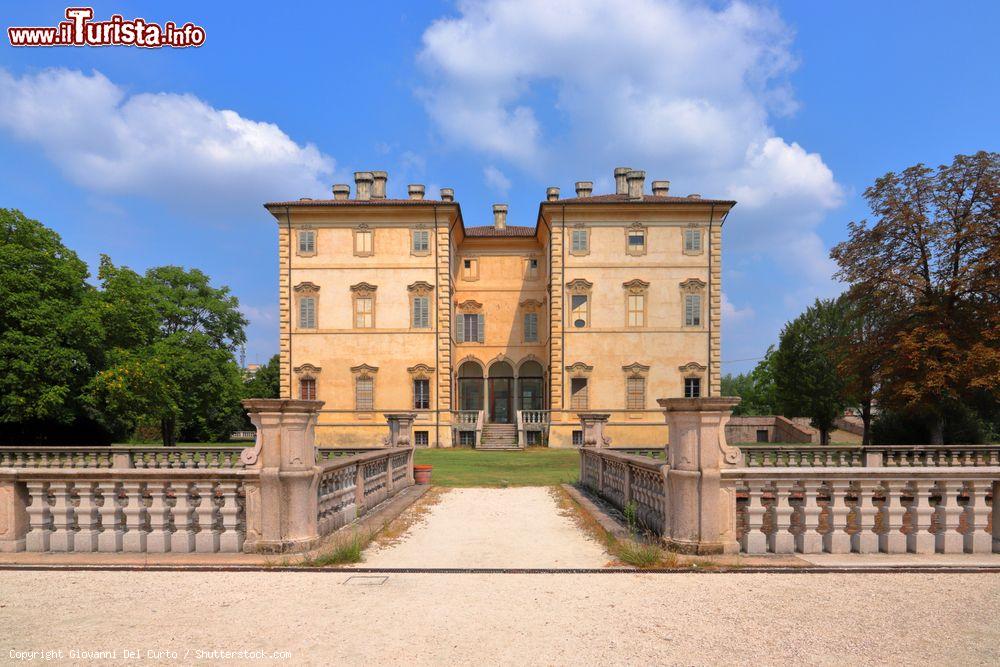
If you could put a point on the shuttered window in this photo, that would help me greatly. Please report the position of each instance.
(364, 393)
(421, 394)
(421, 240)
(635, 393)
(531, 328)
(579, 240)
(578, 394)
(307, 389)
(307, 312)
(421, 312)
(692, 310)
(307, 242)
(471, 328)
(363, 242)
(692, 240)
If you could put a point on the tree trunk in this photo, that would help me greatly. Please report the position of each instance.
(937, 430)
(824, 436)
(168, 432)
(866, 420)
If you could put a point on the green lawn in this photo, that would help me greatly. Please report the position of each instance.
(537, 466)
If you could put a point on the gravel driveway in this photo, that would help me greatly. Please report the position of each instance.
(326, 618)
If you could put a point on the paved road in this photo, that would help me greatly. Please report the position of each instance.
(515, 527)
(327, 618)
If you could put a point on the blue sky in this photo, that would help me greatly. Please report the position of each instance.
(164, 156)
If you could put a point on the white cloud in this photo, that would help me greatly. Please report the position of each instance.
(685, 90)
(496, 179)
(166, 146)
(733, 315)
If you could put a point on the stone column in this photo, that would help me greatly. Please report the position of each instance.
(593, 424)
(13, 515)
(702, 509)
(281, 504)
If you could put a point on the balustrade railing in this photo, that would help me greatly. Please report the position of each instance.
(466, 417)
(350, 486)
(808, 456)
(534, 417)
(869, 510)
(132, 511)
(180, 457)
(625, 480)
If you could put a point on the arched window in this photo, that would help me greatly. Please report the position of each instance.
(531, 386)
(470, 386)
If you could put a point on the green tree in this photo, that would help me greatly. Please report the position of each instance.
(807, 380)
(266, 382)
(49, 337)
(756, 388)
(931, 260)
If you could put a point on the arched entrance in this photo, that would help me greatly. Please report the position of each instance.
(501, 393)
(530, 386)
(470, 386)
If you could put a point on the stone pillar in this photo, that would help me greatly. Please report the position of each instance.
(13, 515)
(400, 429)
(702, 509)
(281, 504)
(593, 424)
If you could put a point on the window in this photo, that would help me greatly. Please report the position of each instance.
(762, 435)
(692, 240)
(421, 439)
(307, 312)
(467, 438)
(531, 327)
(578, 438)
(363, 242)
(364, 312)
(581, 242)
(421, 312)
(534, 438)
(531, 269)
(470, 329)
(635, 393)
(470, 269)
(692, 387)
(421, 242)
(307, 389)
(636, 310)
(580, 310)
(578, 394)
(422, 394)
(307, 242)
(635, 238)
(364, 393)
(692, 310)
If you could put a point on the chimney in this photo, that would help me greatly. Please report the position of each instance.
(584, 188)
(363, 185)
(447, 194)
(416, 191)
(378, 184)
(661, 188)
(621, 184)
(500, 216)
(552, 194)
(635, 183)
(341, 191)
(694, 196)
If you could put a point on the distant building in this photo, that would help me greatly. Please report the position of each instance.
(607, 303)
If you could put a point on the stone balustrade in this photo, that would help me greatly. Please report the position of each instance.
(623, 480)
(920, 510)
(792, 455)
(352, 486)
(180, 457)
(808, 456)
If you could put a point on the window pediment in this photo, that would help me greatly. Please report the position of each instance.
(636, 286)
(692, 284)
(306, 288)
(693, 367)
(579, 369)
(420, 287)
(532, 304)
(364, 369)
(470, 306)
(363, 289)
(580, 285)
(420, 371)
(636, 369)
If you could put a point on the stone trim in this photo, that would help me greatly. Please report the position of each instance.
(693, 369)
(579, 287)
(631, 229)
(420, 372)
(363, 229)
(579, 370)
(298, 242)
(359, 372)
(430, 240)
(361, 291)
(586, 230)
(306, 290)
(636, 287)
(701, 241)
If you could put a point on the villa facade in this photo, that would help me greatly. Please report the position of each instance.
(499, 335)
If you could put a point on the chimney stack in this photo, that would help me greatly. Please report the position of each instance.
(552, 194)
(500, 216)
(621, 184)
(447, 194)
(635, 179)
(584, 188)
(415, 190)
(363, 185)
(378, 184)
(341, 191)
(694, 196)
(661, 188)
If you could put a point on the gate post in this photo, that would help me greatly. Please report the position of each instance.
(593, 424)
(281, 503)
(701, 507)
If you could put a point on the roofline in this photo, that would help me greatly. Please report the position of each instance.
(579, 201)
(273, 206)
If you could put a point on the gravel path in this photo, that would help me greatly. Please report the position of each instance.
(514, 527)
(693, 619)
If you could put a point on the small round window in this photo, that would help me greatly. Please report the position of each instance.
(579, 324)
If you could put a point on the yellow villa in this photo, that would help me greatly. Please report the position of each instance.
(499, 335)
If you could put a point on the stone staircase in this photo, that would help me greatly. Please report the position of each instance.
(499, 436)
